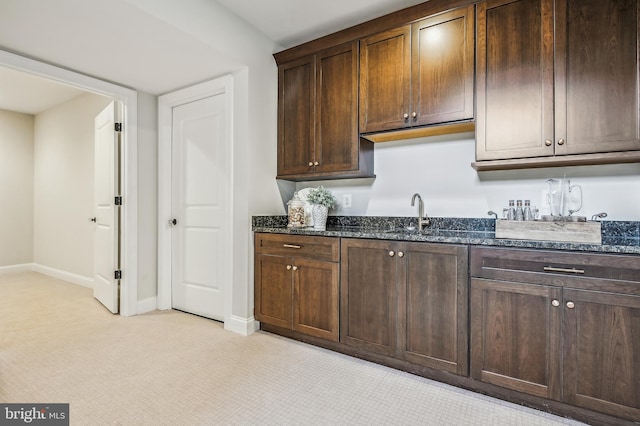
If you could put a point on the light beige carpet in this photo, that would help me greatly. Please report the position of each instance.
(58, 344)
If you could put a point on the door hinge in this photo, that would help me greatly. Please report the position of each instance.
(118, 127)
(118, 200)
(117, 274)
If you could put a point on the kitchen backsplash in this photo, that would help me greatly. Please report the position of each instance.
(439, 170)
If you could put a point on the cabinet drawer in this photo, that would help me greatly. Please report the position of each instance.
(589, 271)
(300, 246)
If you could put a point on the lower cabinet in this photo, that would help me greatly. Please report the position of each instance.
(406, 300)
(557, 325)
(515, 336)
(297, 283)
(601, 357)
(555, 329)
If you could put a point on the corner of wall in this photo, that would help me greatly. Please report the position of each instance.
(243, 326)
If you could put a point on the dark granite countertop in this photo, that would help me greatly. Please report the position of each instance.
(617, 236)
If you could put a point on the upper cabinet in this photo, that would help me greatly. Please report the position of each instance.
(596, 76)
(557, 82)
(296, 109)
(318, 117)
(418, 74)
(385, 80)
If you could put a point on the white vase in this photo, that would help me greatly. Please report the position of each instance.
(319, 214)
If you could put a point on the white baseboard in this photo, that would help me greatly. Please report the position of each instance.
(147, 305)
(63, 275)
(12, 269)
(244, 326)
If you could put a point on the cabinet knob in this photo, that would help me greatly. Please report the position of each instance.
(295, 268)
(555, 302)
(414, 114)
(400, 254)
(571, 305)
(288, 267)
(548, 142)
(316, 164)
(310, 163)
(392, 253)
(405, 116)
(560, 141)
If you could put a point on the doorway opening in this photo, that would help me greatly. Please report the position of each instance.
(128, 175)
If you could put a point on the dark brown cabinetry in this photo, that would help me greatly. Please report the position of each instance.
(297, 283)
(406, 300)
(557, 78)
(418, 74)
(318, 117)
(515, 336)
(558, 325)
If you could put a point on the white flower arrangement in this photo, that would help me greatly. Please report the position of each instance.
(322, 196)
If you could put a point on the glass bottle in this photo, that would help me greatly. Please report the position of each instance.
(528, 215)
(511, 211)
(519, 212)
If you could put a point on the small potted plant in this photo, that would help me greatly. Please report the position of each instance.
(322, 200)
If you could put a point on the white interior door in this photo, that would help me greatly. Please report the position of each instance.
(106, 241)
(200, 201)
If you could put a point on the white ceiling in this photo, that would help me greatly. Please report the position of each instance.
(293, 22)
(29, 94)
(163, 57)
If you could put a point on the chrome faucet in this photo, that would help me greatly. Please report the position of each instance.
(422, 219)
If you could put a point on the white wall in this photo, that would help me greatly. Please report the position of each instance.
(63, 185)
(254, 134)
(16, 188)
(439, 169)
(147, 195)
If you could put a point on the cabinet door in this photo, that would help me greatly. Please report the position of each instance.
(336, 140)
(273, 290)
(316, 298)
(433, 306)
(368, 299)
(442, 60)
(602, 352)
(385, 80)
(514, 79)
(296, 103)
(597, 76)
(515, 336)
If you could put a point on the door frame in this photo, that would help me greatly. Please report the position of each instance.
(166, 103)
(129, 158)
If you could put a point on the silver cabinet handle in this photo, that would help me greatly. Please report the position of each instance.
(400, 254)
(548, 142)
(316, 163)
(405, 116)
(567, 270)
(414, 114)
(560, 141)
(392, 253)
(295, 268)
(571, 305)
(293, 246)
(555, 302)
(288, 267)
(310, 163)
